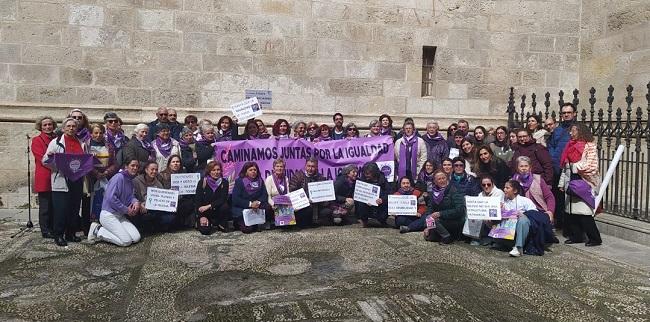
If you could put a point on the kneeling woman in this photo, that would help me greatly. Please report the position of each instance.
(372, 175)
(249, 193)
(119, 202)
(446, 209)
(185, 207)
(406, 189)
(211, 200)
(156, 220)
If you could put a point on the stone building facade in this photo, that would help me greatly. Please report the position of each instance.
(358, 57)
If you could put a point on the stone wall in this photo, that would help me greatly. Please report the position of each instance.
(358, 57)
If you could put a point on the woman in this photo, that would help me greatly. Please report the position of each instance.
(165, 146)
(447, 167)
(324, 136)
(227, 129)
(451, 131)
(83, 126)
(478, 229)
(343, 205)
(299, 130)
(188, 150)
(501, 145)
(534, 187)
(375, 128)
(312, 131)
(251, 131)
(183, 218)
(372, 175)
(410, 152)
(512, 137)
(536, 127)
(351, 131)
(139, 147)
(406, 188)
(211, 200)
(480, 136)
(386, 123)
(542, 163)
(465, 183)
(277, 184)
(114, 226)
(114, 135)
(515, 205)
(99, 176)
(66, 193)
(262, 132)
(424, 181)
(445, 215)
(489, 164)
(468, 153)
(197, 132)
(248, 193)
(281, 129)
(159, 221)
(205, 146)
(581, 181)
(42, 173)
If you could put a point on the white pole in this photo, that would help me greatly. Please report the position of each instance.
(610, 173)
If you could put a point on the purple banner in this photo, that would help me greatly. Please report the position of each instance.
(74, 166)
(504, 230)
(332, 155)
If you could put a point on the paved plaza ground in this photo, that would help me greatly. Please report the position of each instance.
(323, 274)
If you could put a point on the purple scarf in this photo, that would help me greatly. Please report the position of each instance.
(264, 136)
(83, 134)
(165, 148)
(225, 135)
(324, 138)
(280, 184)
(408, 143)
(183, 144)
(405, 192)
(116, 140)
(350, 182)
(385, 131)
(526, 180)
(213, 183)
(437, 194)
(252, 186)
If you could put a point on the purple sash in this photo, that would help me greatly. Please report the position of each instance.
(280, 184)
(74, 166)
(526, 180)
(116, 140)
(252, 186)
(406, 144)
(212, 183)
(165, 148)
(581, 189)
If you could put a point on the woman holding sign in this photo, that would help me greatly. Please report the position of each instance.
(344, 192)
(249, 193)
(185, 202)
(211, 200)
(406, 188)
(277, 184)
(161, 221)
(66, 193)
(364, 211)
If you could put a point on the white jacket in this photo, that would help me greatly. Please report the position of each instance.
(421, 154)
(59, 182)
(272, 190)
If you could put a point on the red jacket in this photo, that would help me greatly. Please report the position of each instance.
(41, 173)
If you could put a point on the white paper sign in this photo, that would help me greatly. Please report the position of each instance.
(263, 96)
(185, 183)
(161, 199)
(483, 208)
(321, 191)
(254, 217)
(366, 192)
(402, 205)
(388, 169)
(246, 110)
(299, 199)
(453, 152)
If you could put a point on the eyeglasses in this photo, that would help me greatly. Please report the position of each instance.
(487, 185)
(77, 117)
(352, 129)
(174, 115)
(458, 165)
(163, 114)
(111, 121)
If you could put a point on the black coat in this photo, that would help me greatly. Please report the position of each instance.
(342, 190)
(204, 195)
(204, 152)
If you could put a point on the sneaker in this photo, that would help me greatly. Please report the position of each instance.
(92, 232)
(514, 252)
(337, 220)
(390, 221)
(403, 229)
(475, 243)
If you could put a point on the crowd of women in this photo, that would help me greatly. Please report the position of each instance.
(546, 174)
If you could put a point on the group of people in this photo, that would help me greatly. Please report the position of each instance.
(545, 173)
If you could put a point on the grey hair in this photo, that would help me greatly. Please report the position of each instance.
(348, 168)
(373, 123)
(140, 127)
(206, 127)
(68, 119)
(433, 123)
(185, 130)
(523, 158)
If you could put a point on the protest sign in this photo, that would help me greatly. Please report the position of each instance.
(161, 199)
(332, 155)
(402, 205)
(504, 230)
(321, 191)
(185, 183)
(472, 228)
(453, 152)
(284, 216)
(246, 110)
(483, 208)
(264, 97)
(299, 199)
(74, 165)
(254, 217)
(366, 192)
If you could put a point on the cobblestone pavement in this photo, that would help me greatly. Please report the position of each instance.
(324, 274)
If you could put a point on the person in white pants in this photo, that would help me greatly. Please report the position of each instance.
(119, 202)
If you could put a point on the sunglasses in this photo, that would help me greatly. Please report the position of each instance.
(111, 121)
(352, 129)
(171, 115)
(458, 165)
(487, 185)
(77, 117)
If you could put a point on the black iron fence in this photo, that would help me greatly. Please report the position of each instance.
(628, 194)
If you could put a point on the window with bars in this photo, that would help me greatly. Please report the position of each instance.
(428, 72)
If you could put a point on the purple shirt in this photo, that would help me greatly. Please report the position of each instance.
(119, 194)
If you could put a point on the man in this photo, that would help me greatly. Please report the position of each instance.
(556, 144)
(304, 217)
(437, 148)
(539, 156)
(174, 126)
(410, 153)
(338, 132)
(161, 116)
(549, 126)
(463, 126)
